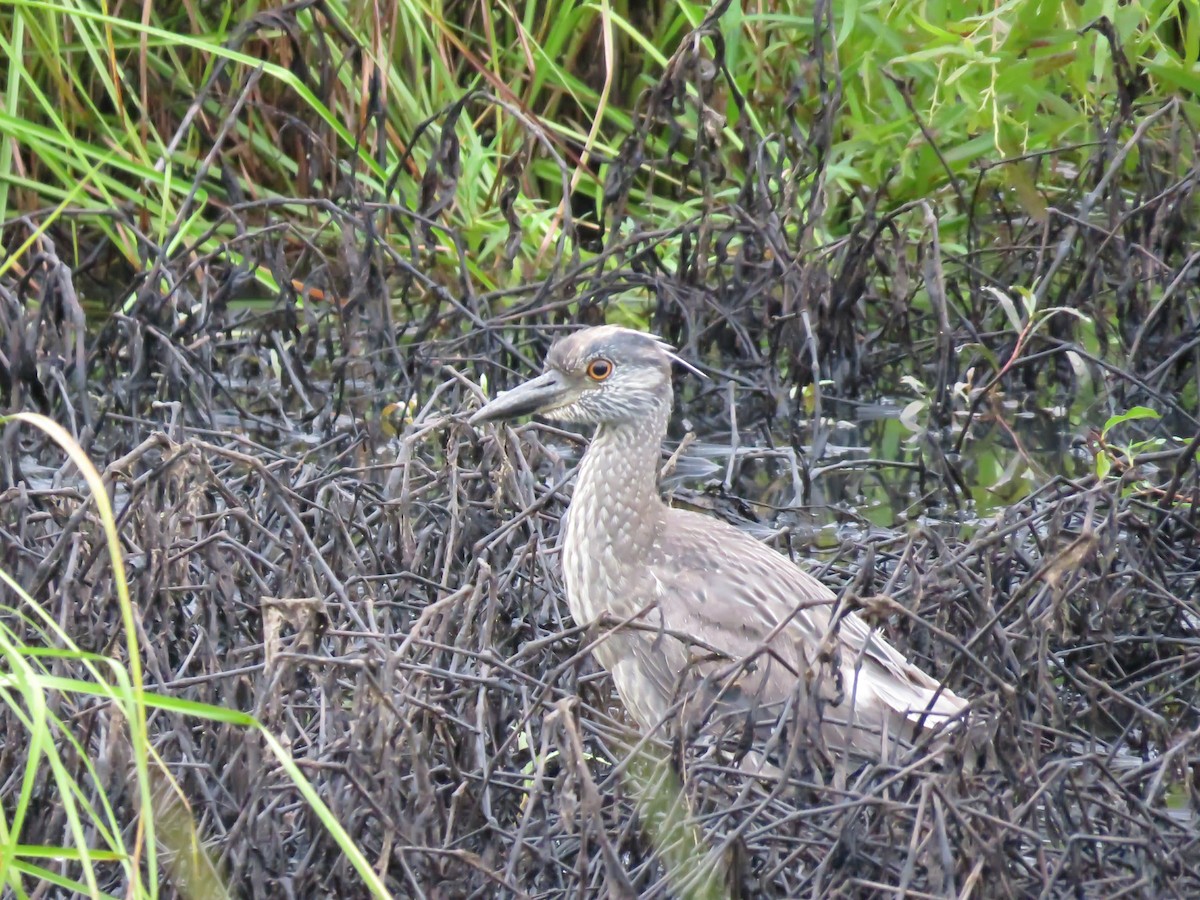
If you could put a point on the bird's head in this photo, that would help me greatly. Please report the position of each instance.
(601, 375)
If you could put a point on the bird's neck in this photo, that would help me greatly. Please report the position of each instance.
(617, 489)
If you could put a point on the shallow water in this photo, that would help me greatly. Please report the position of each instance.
(880, 468)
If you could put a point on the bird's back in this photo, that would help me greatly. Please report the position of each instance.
(732, 631)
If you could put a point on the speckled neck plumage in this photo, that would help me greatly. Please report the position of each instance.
(616, 516)
(619, 475)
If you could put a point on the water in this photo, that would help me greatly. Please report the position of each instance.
(880, 469)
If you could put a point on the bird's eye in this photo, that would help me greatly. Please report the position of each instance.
(599, 369)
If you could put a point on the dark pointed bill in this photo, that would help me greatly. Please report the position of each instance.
(544, 392)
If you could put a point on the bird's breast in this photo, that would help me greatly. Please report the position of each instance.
(605, 553)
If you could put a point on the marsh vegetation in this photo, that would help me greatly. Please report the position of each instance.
(938, 262)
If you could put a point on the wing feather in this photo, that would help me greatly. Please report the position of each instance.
(748, 600)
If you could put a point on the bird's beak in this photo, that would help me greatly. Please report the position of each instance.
(545, 392)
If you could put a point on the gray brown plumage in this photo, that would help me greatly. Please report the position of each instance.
(715, 621)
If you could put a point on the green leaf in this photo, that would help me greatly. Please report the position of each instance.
(1137, 412)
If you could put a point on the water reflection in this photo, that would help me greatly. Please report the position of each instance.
(876, 471)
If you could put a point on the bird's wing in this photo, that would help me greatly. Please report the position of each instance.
(741, 594)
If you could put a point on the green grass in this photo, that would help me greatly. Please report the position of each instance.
(35, 691)
(140, 113)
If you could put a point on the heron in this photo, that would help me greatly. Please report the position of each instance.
(703, 621)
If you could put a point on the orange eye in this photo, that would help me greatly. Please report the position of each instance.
(599, 369)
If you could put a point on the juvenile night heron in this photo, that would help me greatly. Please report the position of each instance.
(705, 620)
